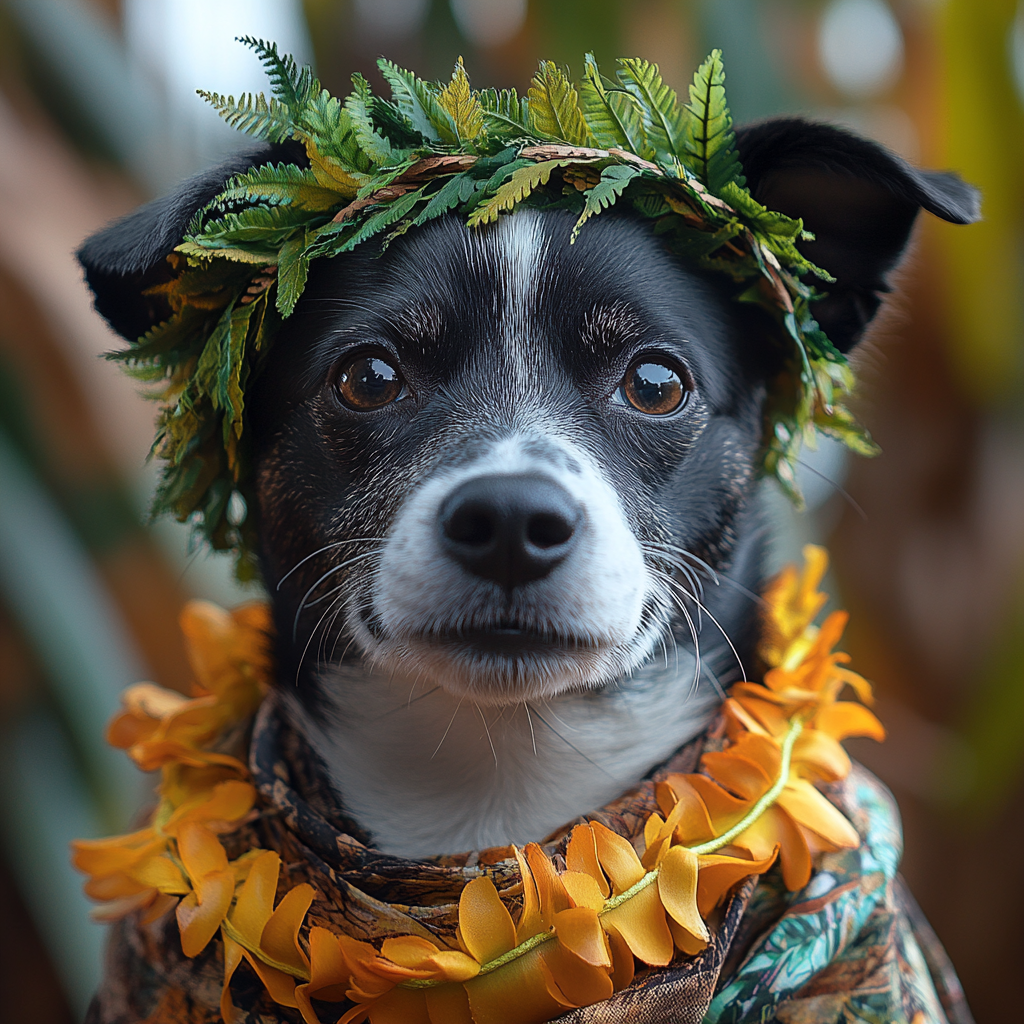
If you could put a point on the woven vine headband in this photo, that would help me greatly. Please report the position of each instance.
(378, 167)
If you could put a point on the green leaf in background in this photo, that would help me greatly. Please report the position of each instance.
(417, 100)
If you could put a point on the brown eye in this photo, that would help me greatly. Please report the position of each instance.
(368, 382)
(653, 387)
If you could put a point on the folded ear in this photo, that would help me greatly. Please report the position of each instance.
(858, 199)
(129, 256)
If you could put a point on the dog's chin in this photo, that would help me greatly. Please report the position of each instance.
(504, 664)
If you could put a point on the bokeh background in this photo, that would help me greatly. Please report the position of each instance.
(98, 113)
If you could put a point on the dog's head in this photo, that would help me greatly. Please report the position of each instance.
(501, 462)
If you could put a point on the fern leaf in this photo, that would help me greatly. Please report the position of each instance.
(555, 107)
(417, 101)
(709, 142)
(237, 255)
(462, 105)
(233, 372)
(359, 104)
(292, 85)
(612, 115)
(253, 114)
(281, 185)
(333, 174)
(292, 271)
(252, 229)
(506, 114)
(614, 180)
(382, 219)
(457, 190)
(523, 181)
(663, 118)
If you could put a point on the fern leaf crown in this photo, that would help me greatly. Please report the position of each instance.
(377, 167)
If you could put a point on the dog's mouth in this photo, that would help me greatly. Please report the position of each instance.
(508, 638)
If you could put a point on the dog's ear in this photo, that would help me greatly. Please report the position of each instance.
(858, 199)
(129, 256)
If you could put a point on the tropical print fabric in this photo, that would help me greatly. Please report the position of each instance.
(849, 947)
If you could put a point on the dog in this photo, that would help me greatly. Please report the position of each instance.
(508, 497)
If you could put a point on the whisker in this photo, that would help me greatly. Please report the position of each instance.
(330, 572)
(445, 736)
(529, 718)
(494, 753)
(572, 746)
(842, 490)
(328, 547)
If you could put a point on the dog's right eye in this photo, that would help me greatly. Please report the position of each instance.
(366, 382)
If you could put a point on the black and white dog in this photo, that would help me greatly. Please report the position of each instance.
(495, 472)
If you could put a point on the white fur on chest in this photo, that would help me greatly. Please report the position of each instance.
(427, 774)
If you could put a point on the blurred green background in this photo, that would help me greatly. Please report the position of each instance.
(98, 113)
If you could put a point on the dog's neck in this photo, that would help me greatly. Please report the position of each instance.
(425, 773)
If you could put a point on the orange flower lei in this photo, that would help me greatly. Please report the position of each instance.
(579, 932)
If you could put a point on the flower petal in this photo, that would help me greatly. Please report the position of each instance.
(809, 808)
(232, 958)
(845, 718)
(280, 986)
(255, 901)
(686, 942)
(484, 921)
(401, 1006)
(530, 920)
(737, 774)
(683, 807)
(280, 938)
(228, 803)
(677, 887)
(161, 873)
(200, 913)
(818, 754)
(641, 923)
(579, 983)
(448, 1004)
(520, 992)
(583, 889)
(550, 891)
(200, 851)
(775, 828)
(581, 856)
(579, 930)
(623, 963)
(329, 974)
(617, 857)
(719, 873)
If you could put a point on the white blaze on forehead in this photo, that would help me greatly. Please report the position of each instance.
(522, 249)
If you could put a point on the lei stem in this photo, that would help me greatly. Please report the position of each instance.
(795, 728)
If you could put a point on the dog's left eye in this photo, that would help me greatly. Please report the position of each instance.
(654, 386)
(366, 382)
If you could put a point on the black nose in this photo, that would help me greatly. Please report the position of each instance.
(510, 529)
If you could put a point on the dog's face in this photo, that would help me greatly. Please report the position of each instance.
(496, 461)
(497, 457)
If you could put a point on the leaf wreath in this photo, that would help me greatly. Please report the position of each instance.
(378, 167)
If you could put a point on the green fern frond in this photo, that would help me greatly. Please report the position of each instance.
(505, 112)
(457, 190)
(292, 85)
(417, 100)
(382, 219)
(522, 182)
(359, 106)
(255, 228)
(292, 271)
(709, 142)
(612, 115)
(662, 116)
(555, 107)
(614, 181)
(253, 114)
(280, 185)
(462, 105)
